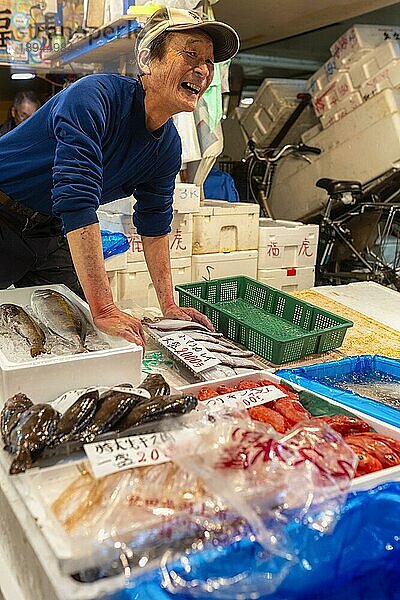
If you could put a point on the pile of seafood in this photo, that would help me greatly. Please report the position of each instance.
(27, 429)
(375, 451)
(53, 310)
(232, 359)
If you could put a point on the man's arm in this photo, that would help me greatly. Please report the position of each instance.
(87, 256)
(156, 252)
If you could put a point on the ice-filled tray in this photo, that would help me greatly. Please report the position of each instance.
(367, 383)
(48, 375)
(363, 482)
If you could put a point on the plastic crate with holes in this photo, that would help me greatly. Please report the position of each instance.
(274, 325)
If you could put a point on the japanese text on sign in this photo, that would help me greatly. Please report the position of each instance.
(244, 398)
(191, 352)
(118, 454)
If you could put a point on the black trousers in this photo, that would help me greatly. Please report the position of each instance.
(34, 251)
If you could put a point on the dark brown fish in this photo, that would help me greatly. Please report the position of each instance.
(76, 418)
(158, 408)
(113, 406)
(31, 434)
(155, 385)
(17, 320)
(11, 412)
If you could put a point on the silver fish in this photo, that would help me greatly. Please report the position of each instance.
(175, 325)
(237, 362)
(17, 320)
(61, 316)
(211, 336)
(218, 372)
(229, 350)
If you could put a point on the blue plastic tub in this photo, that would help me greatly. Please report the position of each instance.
(325, 379)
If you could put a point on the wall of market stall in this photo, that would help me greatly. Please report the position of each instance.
(87, 520)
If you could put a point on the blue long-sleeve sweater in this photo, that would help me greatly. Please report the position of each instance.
(89, 145)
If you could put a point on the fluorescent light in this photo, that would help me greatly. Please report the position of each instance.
(23, 76)
(247, 101)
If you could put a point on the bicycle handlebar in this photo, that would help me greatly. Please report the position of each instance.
(262, 155)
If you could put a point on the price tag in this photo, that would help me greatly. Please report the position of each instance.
(243, 398)
(118, 454)
(191, 352)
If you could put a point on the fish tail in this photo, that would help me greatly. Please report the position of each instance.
(21, 462)
(37, 349)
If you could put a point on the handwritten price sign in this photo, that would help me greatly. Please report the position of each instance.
(119, 454)
(244, 398)
(190, 351)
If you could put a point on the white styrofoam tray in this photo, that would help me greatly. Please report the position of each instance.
(372, 62)
(224, 264)
(365, 482)
(45, 377)
(283, 244)
(357, 41)
(225, 227)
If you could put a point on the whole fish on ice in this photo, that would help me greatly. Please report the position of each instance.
(16, 319)
(61, 316)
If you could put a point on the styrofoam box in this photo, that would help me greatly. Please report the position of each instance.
(288, 280)
(388, 77)
(116, 262)
(224, 264)
(341, 109)
(364, 482)
(225, 227)
(338, 89)
(321, 78)
(134, 283)
(275, 101)
(310, 133)
(372, 62)
(360, 39)
(286, 244)
(186, 200)
(361, 146)
(180, 238)
(46, 377)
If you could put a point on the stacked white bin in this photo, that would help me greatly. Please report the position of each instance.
(365, 60)
(225, 240)
(128, 274)
(287, 254)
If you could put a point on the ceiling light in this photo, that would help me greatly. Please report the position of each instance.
(23, 76)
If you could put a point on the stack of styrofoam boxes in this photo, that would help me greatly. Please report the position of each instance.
(365, 60)
(225, 240)
(132, 282)
(287, 254)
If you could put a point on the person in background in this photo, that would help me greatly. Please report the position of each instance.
(106, 137)
(24, 105)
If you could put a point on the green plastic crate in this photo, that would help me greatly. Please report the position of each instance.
(274, 325)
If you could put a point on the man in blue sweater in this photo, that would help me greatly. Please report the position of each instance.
(106, 137)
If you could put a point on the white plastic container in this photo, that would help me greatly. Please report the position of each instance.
(275, 101)
(360, 39)
(372, 62)
(386, 78)
(321, 78)
(288, 280)
(286, 244)
(187, 198)
(337, 90)
(226, 264)
(361, 146)
(116, 262)
(46, 377)
(180, 236)
(225, 227)
(341, 109)
(134, 283)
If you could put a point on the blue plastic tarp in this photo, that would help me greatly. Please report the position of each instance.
(219, 185)
(360, 560)
(311, 377)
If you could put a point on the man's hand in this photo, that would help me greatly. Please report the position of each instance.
(187, 314)
(115, 322)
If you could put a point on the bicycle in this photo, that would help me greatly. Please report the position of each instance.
(362, 241)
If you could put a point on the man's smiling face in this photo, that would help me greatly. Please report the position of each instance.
(184, 73)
